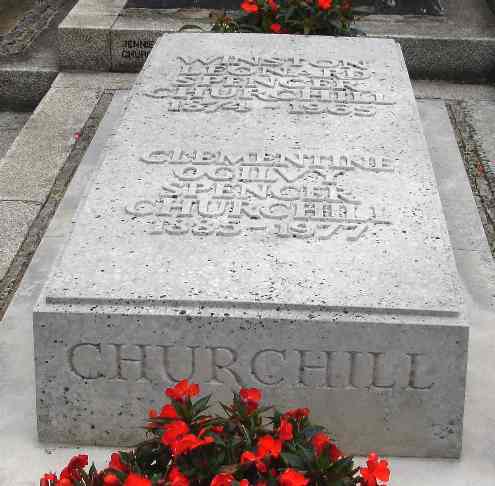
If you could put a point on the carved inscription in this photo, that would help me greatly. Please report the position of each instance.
(334, 86)
(137, 49)
(330, 369)
(290, 194)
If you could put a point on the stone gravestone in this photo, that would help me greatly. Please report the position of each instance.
(423, 7)
(267, 216)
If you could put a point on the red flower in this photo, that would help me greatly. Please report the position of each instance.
(137, 480)
(320, 441)
(285, 431)
(173, 431)
(250, 6)
(182, 390)
(111, 480)
(222, 480)
(244, 482)
(377, 470)
(335, 453)
(251, 398)
(168, 412)
(72, 470)
(248, 456)
(297, 413)
(268, 446)
(47, 478)
(276, 28)
(325, 4)
(65, 482)
(176, 478)
(117, 464)
(189, 442)
(272, 4)
(291, 477)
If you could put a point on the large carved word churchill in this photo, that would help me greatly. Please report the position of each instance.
(220, 365)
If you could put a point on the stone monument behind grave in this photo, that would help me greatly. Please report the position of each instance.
(267, 216)
(398, 7)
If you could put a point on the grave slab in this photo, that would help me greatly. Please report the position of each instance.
(266, 215)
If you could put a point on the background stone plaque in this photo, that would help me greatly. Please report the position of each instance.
(266, 216)
(417, 7)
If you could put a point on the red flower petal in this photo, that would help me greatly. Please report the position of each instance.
(285, 431)
(222, 480)
(173, 431)
(320, 441)
(117, 464)
(111, 479)
(291, 477)
(137, 480)
(182, 390)
(268, 446)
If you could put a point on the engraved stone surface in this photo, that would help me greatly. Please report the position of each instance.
(417, 7)
(267, 216)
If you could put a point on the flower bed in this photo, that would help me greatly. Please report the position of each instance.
(323, 17)
(251, 445)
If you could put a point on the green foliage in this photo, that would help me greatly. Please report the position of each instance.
(321, 17)
(249, 445)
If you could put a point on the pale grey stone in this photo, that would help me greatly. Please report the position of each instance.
(84, 35)
(349, 321)
(98, 81)
(444, 90)
(11, 123)
(133, 36)
(28, 170)
(451, 173)
(15, 219)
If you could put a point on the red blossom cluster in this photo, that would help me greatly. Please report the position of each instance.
(329, 17)
(188, 447)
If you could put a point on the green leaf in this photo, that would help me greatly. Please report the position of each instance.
(293, 460)
(307, 454)
(201, 405)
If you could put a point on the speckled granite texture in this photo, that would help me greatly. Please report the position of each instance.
(266, 215)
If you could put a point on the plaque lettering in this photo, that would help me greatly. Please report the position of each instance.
(373, 371)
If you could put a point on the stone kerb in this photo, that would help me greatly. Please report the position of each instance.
(266, 215)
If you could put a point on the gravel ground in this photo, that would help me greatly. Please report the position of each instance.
(27, 28)
(474, 132)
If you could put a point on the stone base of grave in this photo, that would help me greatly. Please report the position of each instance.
(390, 380)
(351, 309)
